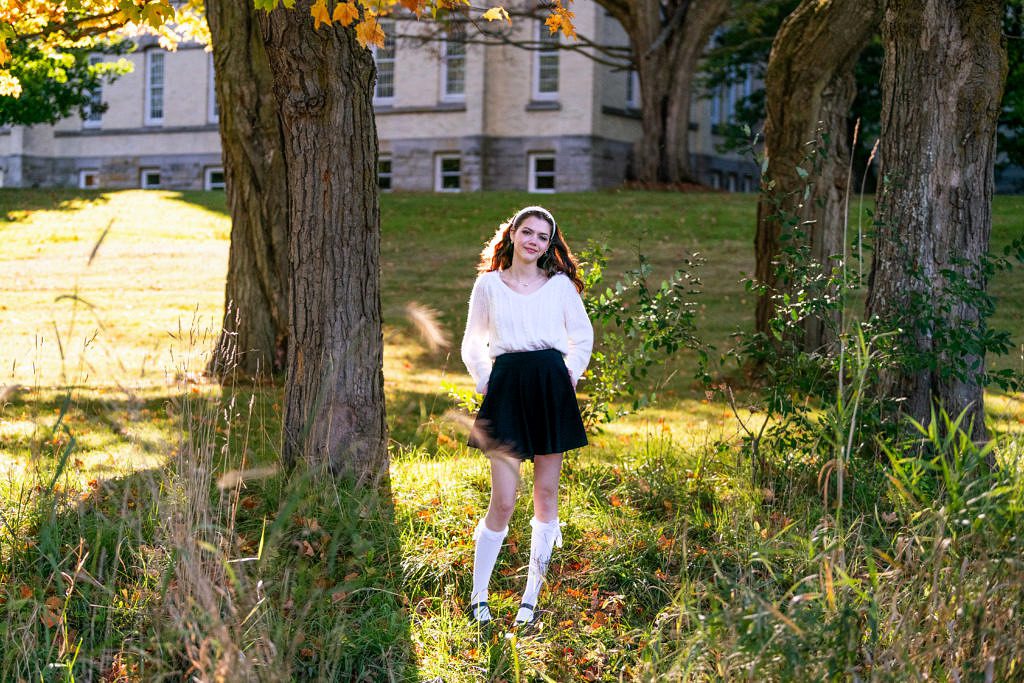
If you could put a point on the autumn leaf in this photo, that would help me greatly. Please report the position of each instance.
(338, 597)
(615, 500)
(156, 14)
(345, 13)
(320, 14)
(497, 14)
(553, 22)
(369, 32)
(414, 6)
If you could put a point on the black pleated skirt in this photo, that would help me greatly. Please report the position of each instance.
(530, 407)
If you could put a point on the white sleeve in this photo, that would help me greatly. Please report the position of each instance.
(475, 352)
(579, 331)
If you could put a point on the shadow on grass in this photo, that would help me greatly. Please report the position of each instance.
(16, 201)
(214, 201)
(175, 571)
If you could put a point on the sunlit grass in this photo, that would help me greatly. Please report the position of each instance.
(662, 516)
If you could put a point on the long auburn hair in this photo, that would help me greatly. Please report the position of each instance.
(558, 258)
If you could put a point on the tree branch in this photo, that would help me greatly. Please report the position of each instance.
(71, 28)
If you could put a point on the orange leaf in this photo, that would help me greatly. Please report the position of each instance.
(320, 14)
(338, 597)
(615, 501)
(26, 591)
(345, 13)
(369, 32)
(414, 6)
(54, 602)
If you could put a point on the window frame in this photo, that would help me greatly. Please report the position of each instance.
(142, 178)
(386, 158)
(83, 173)
(388, 27)
(212, 110)
(208, 184)
(531, 164)
(538, 56)
(88, 121)
(633, 89)
(446, 62)
(148, 117)
(439, 174)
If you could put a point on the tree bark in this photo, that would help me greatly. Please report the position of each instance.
(942, 82)
(334, 393)
(667, 40)
(809, 88)
(254, 335)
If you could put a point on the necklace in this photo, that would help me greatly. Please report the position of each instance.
(526, 283)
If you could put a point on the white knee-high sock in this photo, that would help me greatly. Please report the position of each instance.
(488, 544)
(545, 536)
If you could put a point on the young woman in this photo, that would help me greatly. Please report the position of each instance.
(528, 340)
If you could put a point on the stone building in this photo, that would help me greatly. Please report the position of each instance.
(451, 117)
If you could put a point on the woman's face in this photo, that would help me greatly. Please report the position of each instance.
(531, 239)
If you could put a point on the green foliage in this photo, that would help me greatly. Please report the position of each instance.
(637, 325)
(926, 589)
(59, 82)
(956, 350)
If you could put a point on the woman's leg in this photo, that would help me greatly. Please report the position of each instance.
(490, 531)
(547, 470)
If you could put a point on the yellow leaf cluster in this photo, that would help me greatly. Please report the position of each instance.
(369, 32)
(54, 25)
(497, 14)
(561, 19)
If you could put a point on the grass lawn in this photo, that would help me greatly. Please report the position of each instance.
(97, 550)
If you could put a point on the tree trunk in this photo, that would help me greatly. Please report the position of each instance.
(667, 43)
(334, 394)
(809, 88)
(942, 82)
(253, 340)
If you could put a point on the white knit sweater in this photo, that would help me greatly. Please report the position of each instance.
(502, 321)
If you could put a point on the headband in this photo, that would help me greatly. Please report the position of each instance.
(535, 209)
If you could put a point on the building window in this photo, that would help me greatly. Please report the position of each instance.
(94, 110)
(212, 110)
(384, 90)
(448, 175)
(453, 64)
(154, 88)
(213, 178)
(545, 64)
(149, 178)
(88, 179)
(633, 89)
(542, 172)
(384, 173)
